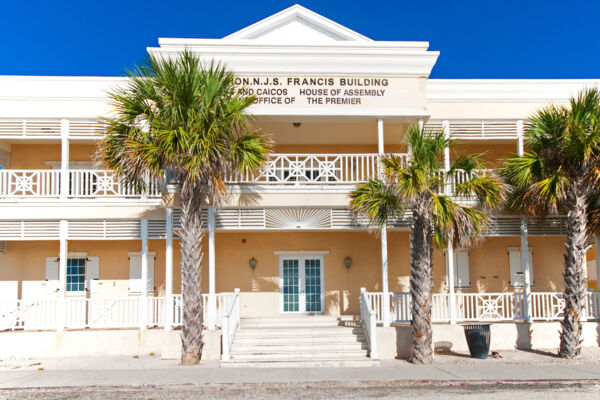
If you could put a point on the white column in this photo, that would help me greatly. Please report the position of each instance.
(144, 296)
(451, 296)
(384, 253)
(62, 276)
(384, 278)
(380, 147)
(446, 128)
(64, 159)
(212, 299)
(525, 262)
(597, 263)
(169, 271)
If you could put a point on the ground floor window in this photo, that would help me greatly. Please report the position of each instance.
(75, 274)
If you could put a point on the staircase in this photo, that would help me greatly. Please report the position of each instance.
(298, 341)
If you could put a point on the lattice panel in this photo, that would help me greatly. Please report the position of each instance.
(298, 218)
(29, 230)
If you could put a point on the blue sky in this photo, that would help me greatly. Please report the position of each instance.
(477, 39)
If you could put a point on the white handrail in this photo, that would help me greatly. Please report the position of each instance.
(368, 320)
(231, 321)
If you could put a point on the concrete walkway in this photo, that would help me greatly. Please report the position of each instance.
(211, 373)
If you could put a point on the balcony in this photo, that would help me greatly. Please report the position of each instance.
(281, 172)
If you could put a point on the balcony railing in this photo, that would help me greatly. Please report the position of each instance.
(281, 170)
(314, 169)
(545, 306)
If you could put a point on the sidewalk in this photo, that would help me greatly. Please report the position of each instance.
(147, 370)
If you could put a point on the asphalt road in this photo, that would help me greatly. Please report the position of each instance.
(364, 390)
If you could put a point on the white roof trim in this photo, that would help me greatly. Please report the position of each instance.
(298, 13)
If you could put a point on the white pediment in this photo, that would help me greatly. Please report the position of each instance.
(296, 25)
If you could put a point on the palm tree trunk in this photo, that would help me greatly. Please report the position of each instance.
(574, 295)
(421, 286)
(192, 236)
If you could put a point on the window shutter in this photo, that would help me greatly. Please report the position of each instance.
(92, 273)
(52, 282)
(516, 272)
(531, 267)
(150, 273)
(135, 274)
(461, 269)
(517, 277)
(4, 157)
(591, 270)
(51, 269)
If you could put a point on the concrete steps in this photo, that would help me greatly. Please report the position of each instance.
(298, 341)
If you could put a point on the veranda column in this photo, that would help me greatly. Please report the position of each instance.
(450, 248)
(385, 303)
(597, 263)
(64, 159)
(212, 299)
(144, 296)
(169, 271)
(61, 317)
(525, 262)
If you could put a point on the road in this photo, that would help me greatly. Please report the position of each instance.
(336, 390)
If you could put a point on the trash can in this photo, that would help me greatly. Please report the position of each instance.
(478, 340)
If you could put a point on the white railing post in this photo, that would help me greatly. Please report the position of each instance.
(64, 159)
(169, 271)
(451, 294)
(212, 304)
(144, 296)
(62, 276)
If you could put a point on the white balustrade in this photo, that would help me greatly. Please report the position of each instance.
(29, 183)
(368, 319)
(230, 323)
(322, 169)
(81, 312)
(470, 307)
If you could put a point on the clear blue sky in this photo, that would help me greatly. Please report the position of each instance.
(477, 39)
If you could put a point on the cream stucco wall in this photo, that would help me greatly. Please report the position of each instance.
(24, 264)
(34, 156)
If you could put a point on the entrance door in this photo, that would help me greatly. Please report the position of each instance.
(301, 287)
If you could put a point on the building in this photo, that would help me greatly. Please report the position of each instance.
(81, 253)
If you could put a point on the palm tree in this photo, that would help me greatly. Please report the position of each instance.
(423, 187)
(561, 174)
(176, 117)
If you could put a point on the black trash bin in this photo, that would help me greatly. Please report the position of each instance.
(478, 339)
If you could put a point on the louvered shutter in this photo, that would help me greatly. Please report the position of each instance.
(461, 269)
(517, 278)
(135, 274)
(92, 273)
(52, 281)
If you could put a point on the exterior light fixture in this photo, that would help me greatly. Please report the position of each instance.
(296, 124)
(348, 262)
(252, 263)
(172, 180)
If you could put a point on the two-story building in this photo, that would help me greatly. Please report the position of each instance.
(82, 254)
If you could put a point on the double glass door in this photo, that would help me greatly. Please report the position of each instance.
(301, 284)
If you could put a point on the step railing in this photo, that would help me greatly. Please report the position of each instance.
(473, 307)
(230, 324)
(368, 320)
